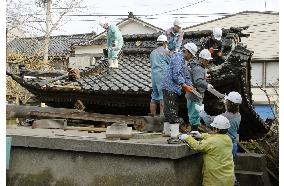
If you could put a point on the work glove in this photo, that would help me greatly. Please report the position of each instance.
(208, 76)
(195, 134)
(183, 137)
(219, 53)
(210, 87)
(201, 111)
(199, 108)
(114, 46)
(186, 88)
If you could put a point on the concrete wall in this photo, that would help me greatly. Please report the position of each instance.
(35, 166)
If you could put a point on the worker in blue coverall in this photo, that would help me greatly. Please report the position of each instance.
(232, 102)
(175, 36)
(218, 164)
(198, 74)
(159, 59)
(176, 80)
(114, 42)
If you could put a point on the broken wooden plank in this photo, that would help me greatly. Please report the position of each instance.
(32, 112)
(85, 129)
(19, 111)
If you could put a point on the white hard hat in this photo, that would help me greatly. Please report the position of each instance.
(177, 23)
(220, 122)
(235, 97)
(205, 54)
(102, 22)
(162, 38)
(191, 47)
(217, 33)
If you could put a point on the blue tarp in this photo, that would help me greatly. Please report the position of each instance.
(264, 111)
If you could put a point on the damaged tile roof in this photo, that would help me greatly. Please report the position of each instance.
(59, 45)
(133, 75)
(126, 90)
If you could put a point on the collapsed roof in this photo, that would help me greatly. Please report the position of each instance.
(126, 90)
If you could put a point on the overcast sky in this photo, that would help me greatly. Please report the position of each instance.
(160, 13)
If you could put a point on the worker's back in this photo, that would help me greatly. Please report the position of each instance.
(218, 161)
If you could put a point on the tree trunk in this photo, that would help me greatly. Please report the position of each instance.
(47, 31)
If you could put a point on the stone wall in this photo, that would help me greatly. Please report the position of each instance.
(35, 166)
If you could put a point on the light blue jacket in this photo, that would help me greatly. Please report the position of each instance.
(177, 74)
(234, 119)
(114, 35)
(174, 39)
(159, 59)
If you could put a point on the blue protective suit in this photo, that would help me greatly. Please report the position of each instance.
(174, 39)
(114, 36)
(177, 74)
(159, 59)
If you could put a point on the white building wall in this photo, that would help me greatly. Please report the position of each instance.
(129, 27)
(133, 27)
(79, 62)
(94, 49)
(260, 97)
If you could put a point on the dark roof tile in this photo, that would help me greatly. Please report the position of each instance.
(59, 45)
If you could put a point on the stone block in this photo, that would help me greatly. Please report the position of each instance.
(119, 131)
(249, 178)
(250, 162)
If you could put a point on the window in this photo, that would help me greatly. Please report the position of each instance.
(256, 74)
(265, 74)
(272, 74)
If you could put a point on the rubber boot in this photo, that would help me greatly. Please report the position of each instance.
(115, 63)
(174, 130)
(110, 62)
(166, 130)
